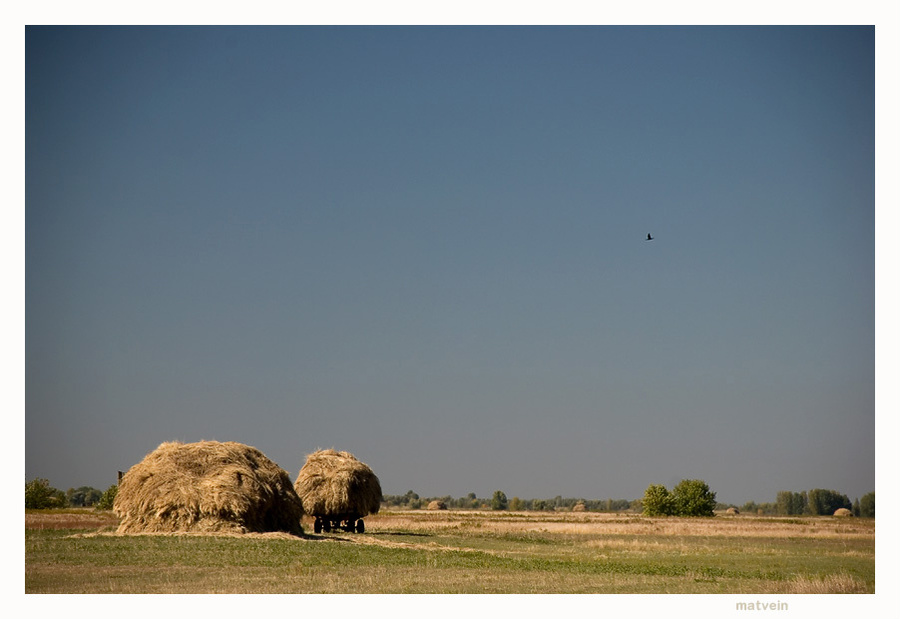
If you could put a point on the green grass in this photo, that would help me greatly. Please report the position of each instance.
(452, 553)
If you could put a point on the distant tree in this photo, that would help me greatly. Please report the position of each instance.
(693, 497)
(784, 502)
(801, 503)
(107, 498)
(621, 505)
(856, 507)
(39, 494)
(826, 502)
(499, 502)
(84, 496)
(867, 505)
(769, 509)
(791, 503)
(658, 501)
(516, 504)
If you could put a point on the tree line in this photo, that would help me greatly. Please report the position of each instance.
(499, 501)
(691, 497)
(39, 494)
(820, 502)
(688, 498)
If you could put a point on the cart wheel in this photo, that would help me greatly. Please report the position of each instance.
(348, 526)
(326, 526)
(317, 526)
(360, 526)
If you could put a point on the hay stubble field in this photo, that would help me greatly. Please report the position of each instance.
(77, 551)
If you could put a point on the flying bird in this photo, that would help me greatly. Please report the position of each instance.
(649, 238)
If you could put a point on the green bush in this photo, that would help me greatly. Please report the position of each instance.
(499, 502)
(658, 501)
(107, 498)
(39, 494)
(693, 498)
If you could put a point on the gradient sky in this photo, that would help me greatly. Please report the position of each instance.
(426, 246)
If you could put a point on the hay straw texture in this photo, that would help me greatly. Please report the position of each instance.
(334, 483)
(207, 487)
(437, 505)
(842, 512)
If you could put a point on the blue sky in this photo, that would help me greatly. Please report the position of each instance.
(426, 246)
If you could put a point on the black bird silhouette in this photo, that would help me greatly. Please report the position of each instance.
(649, 238)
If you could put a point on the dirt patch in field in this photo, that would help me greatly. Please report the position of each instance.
(70, 520)
(591, 524)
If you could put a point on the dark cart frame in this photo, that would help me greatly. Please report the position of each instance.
(346, 522)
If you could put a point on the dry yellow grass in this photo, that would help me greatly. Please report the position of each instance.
(82, 518)
(831, 583)
(574, 523)
(473, 552)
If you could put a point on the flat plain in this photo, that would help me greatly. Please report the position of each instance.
(411, 551)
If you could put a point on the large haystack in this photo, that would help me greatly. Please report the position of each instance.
(436, 505)
(207, 487)
(335, 484)
(732, 511)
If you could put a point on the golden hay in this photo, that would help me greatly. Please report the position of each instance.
(334, 483)
(843, 512)
(579, 507)
(207, 487)
(436, 505)
(732, 511)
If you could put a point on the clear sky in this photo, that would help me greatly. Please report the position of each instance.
(427, 246)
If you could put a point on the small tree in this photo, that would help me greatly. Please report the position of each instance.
(107, 498)
(499, 502)
(516, 504)
(693, 498)
(39, 494)
(867, 505)
(657, 501)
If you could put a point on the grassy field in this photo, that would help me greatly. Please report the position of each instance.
(462, 552)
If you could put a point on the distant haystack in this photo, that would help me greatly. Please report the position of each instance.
(436, 505)
(207, 487)
(336, 487)
(843, 512)
(732, 511)
(579, 507)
